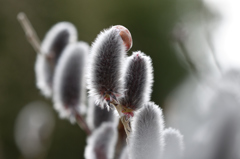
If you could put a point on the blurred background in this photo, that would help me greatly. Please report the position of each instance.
(151, 24)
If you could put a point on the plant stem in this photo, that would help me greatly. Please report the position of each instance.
(187, 57)
(121, 141)
(30, 32)
(82, 123)
(125, 121)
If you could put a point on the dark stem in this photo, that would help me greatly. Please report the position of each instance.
(82, 123)
(121, 141)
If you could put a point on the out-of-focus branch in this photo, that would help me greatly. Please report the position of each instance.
(209, 40)
(187, 57)
(29, 31)
(82, 123)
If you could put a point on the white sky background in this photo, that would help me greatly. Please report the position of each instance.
(226, 38)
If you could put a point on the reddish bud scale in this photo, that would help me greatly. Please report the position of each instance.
(125, 35)
(128, 114)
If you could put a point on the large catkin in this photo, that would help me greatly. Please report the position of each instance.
(107, 59)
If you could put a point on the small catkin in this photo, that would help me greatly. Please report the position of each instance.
(138, 80)
(100, 145)
(56, 39)
(146, 139)
(96, 115)
(174, 146)
(69, 81)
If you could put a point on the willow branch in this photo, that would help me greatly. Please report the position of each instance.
(29, 31)
(82, 123)
(125, 121)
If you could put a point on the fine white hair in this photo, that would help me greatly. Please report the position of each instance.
(106, 72)
(102, 142)
(173, 143)
(146, 140)
(97, 115)
(138, 80)
(42, 66)
(69, 81)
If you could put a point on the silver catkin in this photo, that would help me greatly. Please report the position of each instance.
(138, 80)
(56, 39)
(96, 115)
(107, 59)
(69, 81)
(100, 145)
(146, 140)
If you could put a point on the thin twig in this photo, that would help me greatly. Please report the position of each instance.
(187, 57)
(29, 31)
(208, 37)
(121, 141)
(82, 123)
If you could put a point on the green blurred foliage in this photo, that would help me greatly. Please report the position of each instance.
(150, 23)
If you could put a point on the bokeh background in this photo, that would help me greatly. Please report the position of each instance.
(150, 23)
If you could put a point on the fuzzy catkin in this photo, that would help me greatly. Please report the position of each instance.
(96, 115)
(56, 39)
(138, 80)
(100, 145)
(107, 59)
(69, 81)
(125, 153)
(173, 147)
(146, 140)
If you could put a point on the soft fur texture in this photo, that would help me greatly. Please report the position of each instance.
(52, 46)
(174, 146)
(125, 153)
(138, 80)
(69, 81)
(146, 140)
(97, 115)
(106, 62)
(100, 145)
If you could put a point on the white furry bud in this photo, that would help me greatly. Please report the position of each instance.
(107, 59)
(138, 79)
(174, 146)
(56, 39)
(97, 115)
(100, 145)
(146, 140)
(69, 81)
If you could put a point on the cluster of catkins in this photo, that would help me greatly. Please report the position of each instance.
(119, 87)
